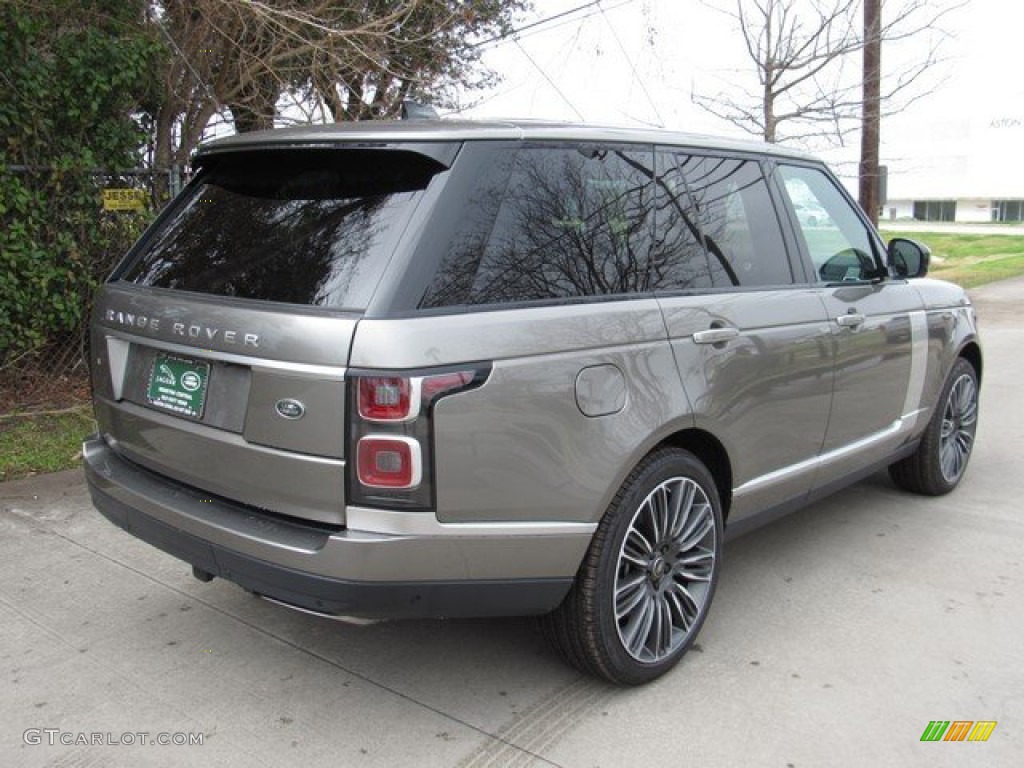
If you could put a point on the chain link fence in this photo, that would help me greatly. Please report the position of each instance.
(52, 373)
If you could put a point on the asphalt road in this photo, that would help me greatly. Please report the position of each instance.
(836, 635)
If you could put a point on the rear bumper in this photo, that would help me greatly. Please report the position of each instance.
(339, 571)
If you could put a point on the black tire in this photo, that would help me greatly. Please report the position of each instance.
(664, 591)
(941, 458)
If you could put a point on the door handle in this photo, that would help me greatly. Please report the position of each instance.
(716, 335)
(851, 320)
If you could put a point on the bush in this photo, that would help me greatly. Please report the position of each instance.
(75, 72)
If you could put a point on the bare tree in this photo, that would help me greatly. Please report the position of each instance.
(332, 60)
(802, 50)
(430, 56)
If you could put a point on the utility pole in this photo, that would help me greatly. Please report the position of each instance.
(871, 110)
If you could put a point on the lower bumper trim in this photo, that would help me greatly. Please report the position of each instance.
(337, 597)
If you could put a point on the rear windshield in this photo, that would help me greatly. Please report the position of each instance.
(301, 227)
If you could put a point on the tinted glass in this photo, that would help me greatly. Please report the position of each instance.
(737, 219)
(551, 223)
(452, 284)
(678, 256)
(836, 237)
(312, 228)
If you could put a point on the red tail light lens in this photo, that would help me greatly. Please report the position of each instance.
(391, 434)
(434, 386)
(387, 398)
(390, 461)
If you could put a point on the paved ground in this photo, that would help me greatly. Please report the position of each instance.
(836, 636)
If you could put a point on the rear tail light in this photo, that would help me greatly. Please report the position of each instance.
(391, 434)
(436, 386)
(384, 461)
(387, 398)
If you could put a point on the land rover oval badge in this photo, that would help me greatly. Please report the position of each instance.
(289, 409)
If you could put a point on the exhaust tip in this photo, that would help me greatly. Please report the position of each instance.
(354, 620)
(203, 576)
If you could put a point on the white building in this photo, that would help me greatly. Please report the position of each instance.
(958, 153)
(967, 168)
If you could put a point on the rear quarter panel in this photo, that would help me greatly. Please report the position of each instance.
(520, 448)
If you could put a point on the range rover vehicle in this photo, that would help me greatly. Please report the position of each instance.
(446, 369)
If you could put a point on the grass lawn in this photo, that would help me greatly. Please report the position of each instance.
(970, 260)
(34, 443)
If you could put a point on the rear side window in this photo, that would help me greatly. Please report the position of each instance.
(552, 223)
(679, 255)
(301, 227)
(732, 212)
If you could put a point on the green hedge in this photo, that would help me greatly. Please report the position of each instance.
(75, 72)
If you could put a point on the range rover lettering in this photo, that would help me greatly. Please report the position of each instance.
(450, 369)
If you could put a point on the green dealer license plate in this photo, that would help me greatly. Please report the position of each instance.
(178, 385)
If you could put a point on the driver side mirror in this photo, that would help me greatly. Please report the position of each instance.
(909, 257)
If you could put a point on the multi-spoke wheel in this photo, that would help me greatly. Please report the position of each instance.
(648, 578)
(959, 422)
(941, 458)
(663, 575)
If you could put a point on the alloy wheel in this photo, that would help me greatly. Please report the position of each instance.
(959, 423)
(664, 570)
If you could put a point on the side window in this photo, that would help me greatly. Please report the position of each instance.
(737, 220)
(679, 260)
(837, 239)
(571, 222)
(453, 281)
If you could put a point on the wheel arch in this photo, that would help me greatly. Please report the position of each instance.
(712, 454)
(971, 352)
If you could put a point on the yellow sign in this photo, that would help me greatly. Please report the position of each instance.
(124, 199)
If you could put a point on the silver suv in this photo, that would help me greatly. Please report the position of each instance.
(447, 369)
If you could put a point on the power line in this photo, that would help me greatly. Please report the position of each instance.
(584, 17)
(539, 22)
(549, 23)
(188, 63)
(550, 81)
(632, 66)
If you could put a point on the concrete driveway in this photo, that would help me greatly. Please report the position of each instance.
(836, 636)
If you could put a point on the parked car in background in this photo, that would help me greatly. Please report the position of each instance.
(441, 369)
(810, 214)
